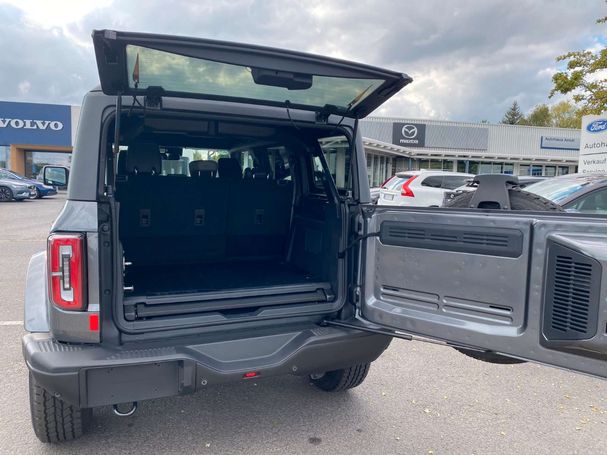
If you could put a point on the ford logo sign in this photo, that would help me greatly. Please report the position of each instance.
(597, 126)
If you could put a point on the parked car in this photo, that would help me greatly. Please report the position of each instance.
(523, 180)
(420, 188)
(14, 190)
(584, 193)
(157, 285)
(40, 189)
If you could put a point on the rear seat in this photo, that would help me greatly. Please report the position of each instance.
(202, 218)
(258, 214)
(165, 220)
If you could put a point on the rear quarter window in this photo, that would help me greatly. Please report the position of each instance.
(450, 182)
(433, 181)
(337, 154)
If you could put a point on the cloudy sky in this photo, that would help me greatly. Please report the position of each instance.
(469, 58)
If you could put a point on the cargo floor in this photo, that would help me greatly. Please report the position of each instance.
(197, 278)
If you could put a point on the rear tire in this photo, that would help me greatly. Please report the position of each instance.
(38, 194)
(5, 194)
(340, 380)
(53, 419)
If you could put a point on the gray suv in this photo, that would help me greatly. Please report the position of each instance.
(219, 228)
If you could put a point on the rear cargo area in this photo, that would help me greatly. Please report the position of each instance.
(231, 234)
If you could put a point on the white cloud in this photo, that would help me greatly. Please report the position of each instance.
(24, 87)
(56, 13)
(469, 60)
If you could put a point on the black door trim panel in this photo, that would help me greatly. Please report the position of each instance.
(491, 241)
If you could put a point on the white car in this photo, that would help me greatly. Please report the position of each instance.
(420, 188)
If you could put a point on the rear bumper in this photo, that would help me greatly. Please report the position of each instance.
(89, 376)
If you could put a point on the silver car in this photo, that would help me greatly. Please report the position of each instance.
(12, 190)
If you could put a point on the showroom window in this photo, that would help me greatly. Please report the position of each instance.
(536, 170)
(4, 152)
(550, 171)
(35, 160)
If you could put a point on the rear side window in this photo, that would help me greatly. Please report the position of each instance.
(595, 202)
(433, 181)
(450, 182)
(337, 154)
(396, 182)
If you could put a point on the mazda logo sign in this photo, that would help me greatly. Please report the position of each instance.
(409, 131)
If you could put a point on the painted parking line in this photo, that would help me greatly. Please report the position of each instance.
(11, 323)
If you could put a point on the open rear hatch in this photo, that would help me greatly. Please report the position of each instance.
(146, 64)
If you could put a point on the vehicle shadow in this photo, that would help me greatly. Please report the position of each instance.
(263, 416)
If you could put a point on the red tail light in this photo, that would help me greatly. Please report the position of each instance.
(67, 271)
(406, 191)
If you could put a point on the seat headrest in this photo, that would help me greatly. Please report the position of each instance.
(203, 168)
(260, 174)
(143, 158)
(229, 168)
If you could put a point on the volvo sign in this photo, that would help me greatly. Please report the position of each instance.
(18, 123)
(35, 124)
(409, 134)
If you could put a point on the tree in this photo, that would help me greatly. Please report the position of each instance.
(566, 115)
(539, 116)
(560, 115)
(584, 78)
(513, 115)
(196, 155)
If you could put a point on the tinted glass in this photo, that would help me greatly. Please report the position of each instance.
(595, 202)
(433, 181)
(451, 182)
(177, 73)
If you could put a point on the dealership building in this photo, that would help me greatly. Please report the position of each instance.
(32, 135)
(398, 144)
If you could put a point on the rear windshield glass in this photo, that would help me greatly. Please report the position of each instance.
(177, 73)
(396, 182)
(557, 189)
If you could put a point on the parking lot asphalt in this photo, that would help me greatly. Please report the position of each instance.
(418, 398)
